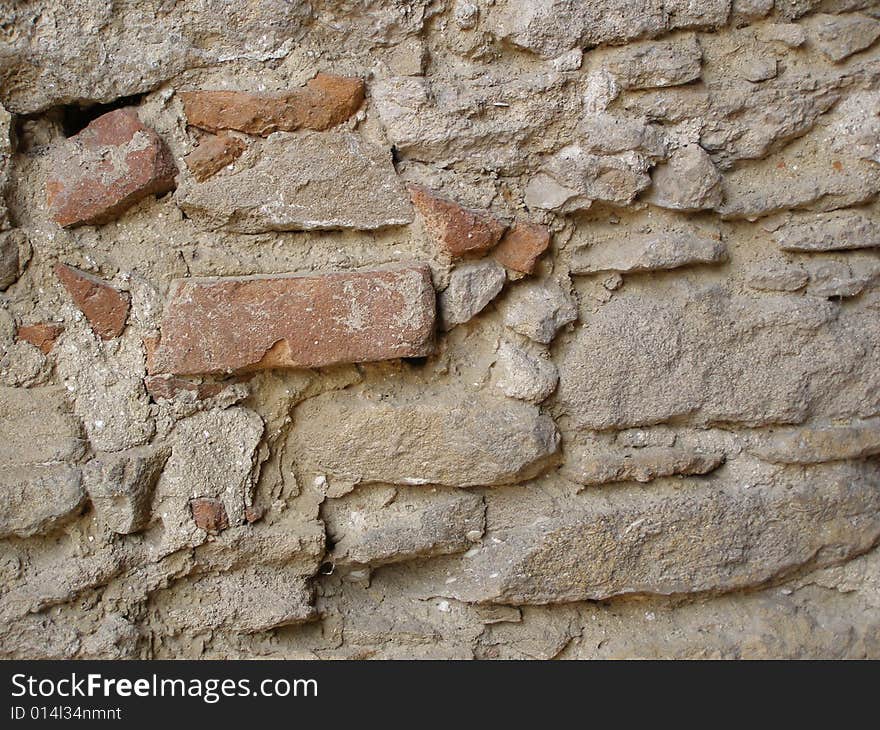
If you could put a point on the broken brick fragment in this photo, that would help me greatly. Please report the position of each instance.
(242, 324)
(42, 335)
(209, 514)
(106, 308)
(522, 246)
(324, 102)
(215, 151)
(459, 231)
(165, 387)
(109, 166)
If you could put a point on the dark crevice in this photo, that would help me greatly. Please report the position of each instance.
(76, 117)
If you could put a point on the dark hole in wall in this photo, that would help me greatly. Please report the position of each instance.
(76, 117)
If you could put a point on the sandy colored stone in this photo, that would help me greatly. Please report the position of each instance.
(458, 231)
(594, 466)
(295, 321)
(41, 336)
(378, 525)
(837, 231)
(539, 310)
(656, 63)
(522, 246)
(106, 308)
(430, 438)
(109, 166)
(524, 374)
(120, 486)
(687, 181)
(214, 152)
(649, 252)
(840, 36)
(822, 443)
(472, 286)
(10, 259)
(673, 541)
(295, 186)
(323, 102)
(777, 277)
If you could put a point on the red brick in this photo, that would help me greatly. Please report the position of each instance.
(260, 322)
(323, 102)
(522, 246)
(105, 169)
(209, 514)
(215, 151)
(41, 335)
(459, 231)
(104, 307)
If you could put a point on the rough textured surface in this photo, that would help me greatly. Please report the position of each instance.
(226, 325)
(112, 164)
(483, 441)
(494, 329)
(294, 183)
(323, 103)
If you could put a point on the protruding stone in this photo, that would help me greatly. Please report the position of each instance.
(120, 486)
(472, 286)
(41, 336)
(522, 246)
(429, 438)
(687, 181)
(209, 514)
(167, 387)
(109, 166)
(521, 374)
(840, 230)
(652, 64)
(294, 186)
(106, 308)
(840, 36)
(40, 443)
(821, 443)
(295, 321)
(36, 499)
(214, 152)
(379, 525)
(10, 257)
(649, 252)
(671, 541)
(593, 466)
(539, 310)
(323, 102)
(458, 231)
(777, 277)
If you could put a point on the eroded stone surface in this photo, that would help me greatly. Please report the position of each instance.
(710, 357)
(539, 310)
(40, 445)
(379, 525)
(817, 444)
(519, 373)
(656, 63)
(649, 252)
(472, 286)
(687, 181)
(593, 466)
(296, 321)
(109, 166)
(293, 187)
(840, 230)
(423, 440)
(694, 539)
(840, 36)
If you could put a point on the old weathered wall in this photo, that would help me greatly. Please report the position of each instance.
(494, 329)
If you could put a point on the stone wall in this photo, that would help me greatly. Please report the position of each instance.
(494, 329)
